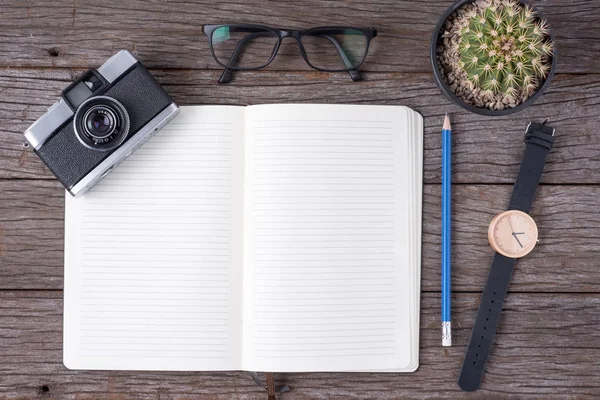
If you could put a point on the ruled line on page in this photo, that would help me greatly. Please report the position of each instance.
(143, 320)
(275, 141)
(274, 337)
(153, 336)
(190, 271)
(94, 326)
(145, 292)
(157, 359)
(165, 348)
(160, 303)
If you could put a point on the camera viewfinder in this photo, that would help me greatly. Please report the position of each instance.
(89, 84)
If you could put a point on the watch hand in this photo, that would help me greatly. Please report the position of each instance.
(518, 233)
(518, 241)
(510, 224)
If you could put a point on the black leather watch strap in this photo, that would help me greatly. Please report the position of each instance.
(486, 322)
(539, 139)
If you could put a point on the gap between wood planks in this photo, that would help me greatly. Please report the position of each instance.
(34, 290)
(263, 70)
(49, 178)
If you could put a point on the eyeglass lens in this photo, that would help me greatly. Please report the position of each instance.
(243, 47)
(335, 48)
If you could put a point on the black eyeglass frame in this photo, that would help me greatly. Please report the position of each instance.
(281, 33)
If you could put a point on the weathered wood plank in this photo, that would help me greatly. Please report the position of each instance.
(546, 348)
(487, 150)
(167, 34)
(566, 260)
(31, 234)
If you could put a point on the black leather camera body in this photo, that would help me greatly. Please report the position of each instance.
(103, 117)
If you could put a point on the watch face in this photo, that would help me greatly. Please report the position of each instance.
(513, 234)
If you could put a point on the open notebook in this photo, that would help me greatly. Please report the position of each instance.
(276, 238)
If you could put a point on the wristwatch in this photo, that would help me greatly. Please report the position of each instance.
(512, 234)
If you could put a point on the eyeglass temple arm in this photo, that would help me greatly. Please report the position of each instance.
(354, 74)
(228, 72)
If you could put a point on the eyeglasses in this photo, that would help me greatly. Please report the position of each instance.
(242, 47)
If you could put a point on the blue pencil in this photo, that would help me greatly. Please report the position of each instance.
(446, 231)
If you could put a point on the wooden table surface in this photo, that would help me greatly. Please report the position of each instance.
(548, 343)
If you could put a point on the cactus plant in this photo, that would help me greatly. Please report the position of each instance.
(504, 48)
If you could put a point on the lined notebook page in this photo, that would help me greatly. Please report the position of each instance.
(326, 262)
(153, 253)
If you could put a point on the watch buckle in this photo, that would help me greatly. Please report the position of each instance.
(543, 124)
(535, 133)
(526, 132)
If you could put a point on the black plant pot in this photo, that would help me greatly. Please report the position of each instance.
(439, 79)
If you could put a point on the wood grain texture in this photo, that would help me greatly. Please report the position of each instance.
(31, 234)
(548, 344)
(167, 34)
(31, 220)
(546, 348)
(486, 150)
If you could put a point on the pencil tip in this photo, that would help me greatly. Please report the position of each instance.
(447, 122)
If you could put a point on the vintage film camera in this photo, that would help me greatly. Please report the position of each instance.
(103, 117)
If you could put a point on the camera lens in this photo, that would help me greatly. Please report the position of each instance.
(101, 123)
